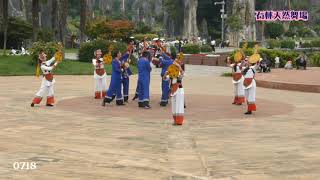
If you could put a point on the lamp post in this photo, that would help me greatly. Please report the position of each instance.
(222, 3)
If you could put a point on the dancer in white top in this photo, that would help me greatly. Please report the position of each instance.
(48, 81)
(100, 75)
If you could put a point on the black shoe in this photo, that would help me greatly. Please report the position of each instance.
(146, 105)
(163, 104)
(50, 105)
(112, 98)
(135, 97)
(120, 102)
(248, 113)
(32, 104)
(140, 104)
(184, 106)
(105, 100)
(126, 98)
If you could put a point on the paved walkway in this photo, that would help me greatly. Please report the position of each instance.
(68, 142)
(297, 80)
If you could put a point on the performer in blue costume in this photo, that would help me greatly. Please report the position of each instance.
(126, 73)
(165, 62)
(144, 69)
(115, 90)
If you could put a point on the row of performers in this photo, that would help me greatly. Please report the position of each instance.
(244, 84)
(121, 72)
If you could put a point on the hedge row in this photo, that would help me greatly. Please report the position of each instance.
(86, 51)
(270, 54)
(196, 49)
(274, 43)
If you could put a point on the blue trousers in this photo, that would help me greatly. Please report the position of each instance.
(115, 89)
(125, 84)
(165, 87)
(143, 90)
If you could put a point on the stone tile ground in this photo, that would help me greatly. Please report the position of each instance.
(74, 145)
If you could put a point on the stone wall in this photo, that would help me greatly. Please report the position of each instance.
(207, 60)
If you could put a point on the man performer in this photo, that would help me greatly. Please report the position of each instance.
(126, 73)
(47, 80)
(250, 86)
(165, 62)
(115, 90)
(144, 69)
(100, 75)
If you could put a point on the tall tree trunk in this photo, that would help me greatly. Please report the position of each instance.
(83, 14)
(53, 18)
(63, 20)
(5, 25)
(35, 19)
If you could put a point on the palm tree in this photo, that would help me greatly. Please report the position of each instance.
(35, 19)
(5, 25)
(83, 14)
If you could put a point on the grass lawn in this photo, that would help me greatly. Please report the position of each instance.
(21, 66)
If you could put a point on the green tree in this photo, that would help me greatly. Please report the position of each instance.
(274, 30)
(234, 23)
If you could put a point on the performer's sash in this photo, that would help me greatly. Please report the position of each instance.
(236, 76)
(247, 82)
(174, 88)
(100, 72)
(49, 77)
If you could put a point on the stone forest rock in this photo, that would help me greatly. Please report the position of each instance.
(245, 9)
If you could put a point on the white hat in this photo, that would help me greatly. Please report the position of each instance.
(155, 39)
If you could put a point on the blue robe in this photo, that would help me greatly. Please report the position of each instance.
(115, 88)
(144, 70)
(165, 62)
(125, 76)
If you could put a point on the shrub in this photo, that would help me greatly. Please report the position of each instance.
(283, 55)
(274, 30)
(191, 49)
(49, 48)
(315, 59)
(288, 44)
(87, 49)
(18, 30)
(315, 43)
(206, 48)
(273, 43)
(251, 44)
(45, 35)
(306, 45)
(271, 54)
(109, 29)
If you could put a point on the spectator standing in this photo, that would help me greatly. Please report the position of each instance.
(277, 62)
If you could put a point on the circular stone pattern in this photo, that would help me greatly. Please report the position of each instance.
(199, 107)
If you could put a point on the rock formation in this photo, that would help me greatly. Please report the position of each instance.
(245, 9)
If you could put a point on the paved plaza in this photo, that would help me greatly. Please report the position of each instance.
(79, 139)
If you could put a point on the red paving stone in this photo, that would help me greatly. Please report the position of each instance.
(296, 80)
(199, 107)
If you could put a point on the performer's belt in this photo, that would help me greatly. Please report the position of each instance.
(49, 77)
(236, 76)
(174, 87)
(100, 72)
(247, 82)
